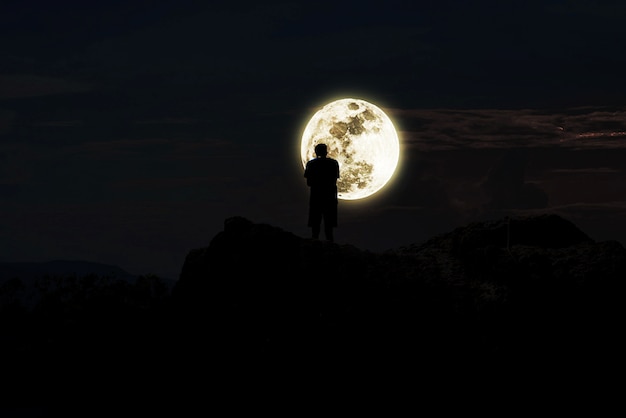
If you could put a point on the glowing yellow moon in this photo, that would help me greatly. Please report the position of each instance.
(362, 138)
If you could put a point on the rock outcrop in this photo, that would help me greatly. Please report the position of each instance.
(512, 291)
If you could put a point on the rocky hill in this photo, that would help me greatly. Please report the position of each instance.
(262, 318)
(504, 294)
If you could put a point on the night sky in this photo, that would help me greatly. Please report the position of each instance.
(130, 130)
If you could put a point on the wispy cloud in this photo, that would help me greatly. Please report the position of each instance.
(167, 121)
(25, 85)
(169, 148)
(579, 128)
(587, 170)
(60, 123)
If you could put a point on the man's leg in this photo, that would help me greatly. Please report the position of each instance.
(330, 221)
(328, 230)
(315, 229)
(315, 221)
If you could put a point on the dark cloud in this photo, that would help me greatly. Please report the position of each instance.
(602, 221)
(587, 170)
(7, 118)
(506, 186)
(8, 191)
(446, 129)
(22, 85)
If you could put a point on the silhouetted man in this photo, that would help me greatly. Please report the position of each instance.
(321, 176)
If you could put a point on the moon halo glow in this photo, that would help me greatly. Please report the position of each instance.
(363, 140)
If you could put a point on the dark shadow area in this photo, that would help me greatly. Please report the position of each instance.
(263, 317)
(506, 187)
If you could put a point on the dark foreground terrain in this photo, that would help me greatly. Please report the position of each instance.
(262, 318)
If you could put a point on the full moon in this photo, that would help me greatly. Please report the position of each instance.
(363, 140)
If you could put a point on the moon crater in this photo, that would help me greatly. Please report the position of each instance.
(362, 138)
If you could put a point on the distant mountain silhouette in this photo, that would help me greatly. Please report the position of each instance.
(504, 294)
(30, 273)
(32, 270)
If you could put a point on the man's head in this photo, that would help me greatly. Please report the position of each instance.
(321, 150)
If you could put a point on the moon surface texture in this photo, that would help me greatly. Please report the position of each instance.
(363, 140)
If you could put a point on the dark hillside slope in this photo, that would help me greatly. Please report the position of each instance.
(505, 293)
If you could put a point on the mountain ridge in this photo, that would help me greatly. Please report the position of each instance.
(528, 288)
(29, 271)
(511, 306)
(60, 267)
